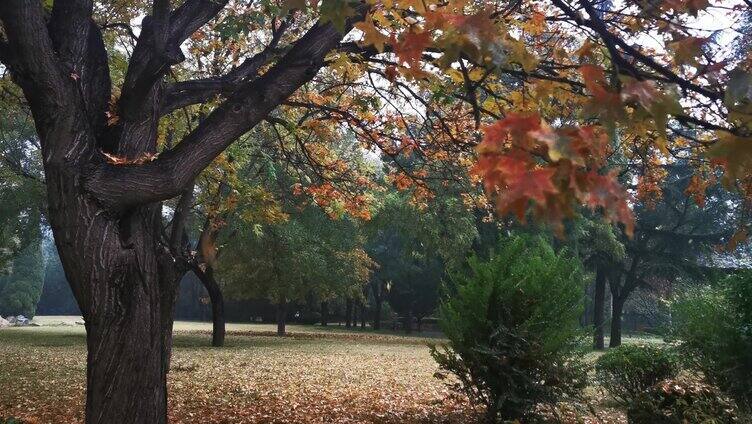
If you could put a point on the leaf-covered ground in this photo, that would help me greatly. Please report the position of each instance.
(309, 377)
(315, 375)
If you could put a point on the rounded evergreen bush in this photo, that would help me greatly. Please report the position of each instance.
(628, 370)
(682, 401)
(512, 325)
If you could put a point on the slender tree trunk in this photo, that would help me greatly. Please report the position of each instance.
(217, 304)
(324, 314)
(409, 322)
(363, 316)
(598, 308)
(377, 314)
(419, 322)
(348, 312)
(618, 309)
(281, 317)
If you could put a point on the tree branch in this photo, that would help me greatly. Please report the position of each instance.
(180, 219)
(185, 93)
(79, 46)
(35, 68)
(128, 185)
(597, 25)
(157, 49)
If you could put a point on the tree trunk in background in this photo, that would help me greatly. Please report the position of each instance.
(324, 314)
(217, 304)
(618, 309)
(419, 322)
(377, 314)
(599, 308)
(348, 313)
(363, 316)
(409, 322)
(281, 317)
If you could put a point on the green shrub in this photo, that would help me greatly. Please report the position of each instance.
(714, 326)
(512, 325)
(629, 370)
(682, 401)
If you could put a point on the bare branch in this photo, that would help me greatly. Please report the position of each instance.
(185, 93)
(597, 25)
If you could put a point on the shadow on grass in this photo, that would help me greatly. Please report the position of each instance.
(43, 337)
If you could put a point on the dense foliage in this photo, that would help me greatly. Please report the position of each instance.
(714, 325)
(628, 370)
(21, 289)
(414, 248)
(512, 325)
(680, 401)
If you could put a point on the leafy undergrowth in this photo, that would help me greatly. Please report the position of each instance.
(305, 378)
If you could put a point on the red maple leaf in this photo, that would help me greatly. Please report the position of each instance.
(411, 47)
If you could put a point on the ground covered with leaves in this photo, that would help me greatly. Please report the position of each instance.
(308, 377)
(314, 375)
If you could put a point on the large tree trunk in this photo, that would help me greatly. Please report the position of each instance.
(217, 305)
(281, 318)
(125, 284)
(599, 308)
(618, 309)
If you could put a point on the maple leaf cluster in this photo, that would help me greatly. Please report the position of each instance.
(529, 163)
(418, 80)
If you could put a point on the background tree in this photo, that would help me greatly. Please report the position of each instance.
(57, 298)
(21, 289)
(414, 247)
(307, 255)
(676, 229)
(600, 249)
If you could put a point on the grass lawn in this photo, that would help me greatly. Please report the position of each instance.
(314, 375)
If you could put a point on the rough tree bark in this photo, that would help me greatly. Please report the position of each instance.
(105, 214)
(599, 308)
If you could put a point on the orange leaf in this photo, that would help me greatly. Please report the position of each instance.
(411, 47)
